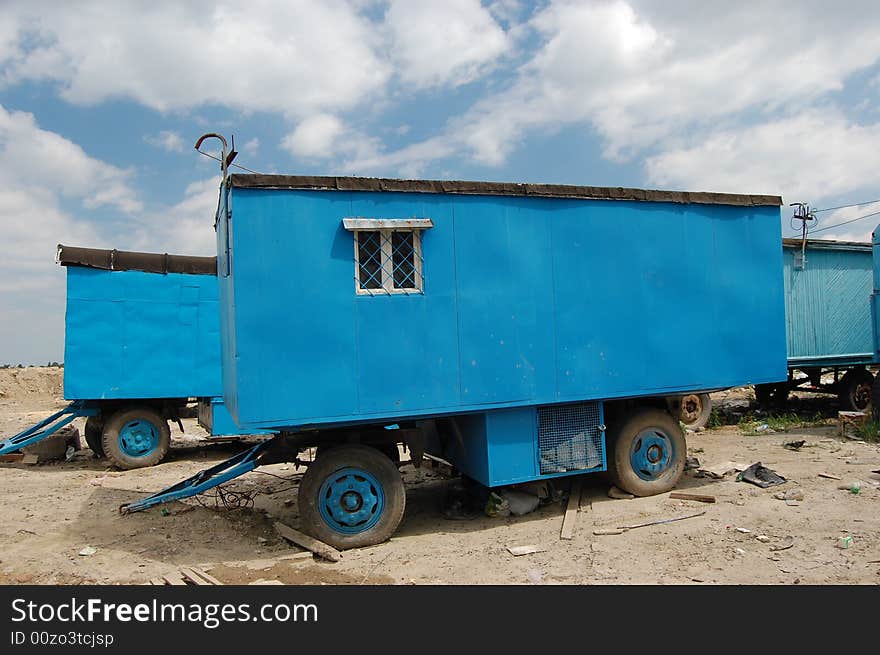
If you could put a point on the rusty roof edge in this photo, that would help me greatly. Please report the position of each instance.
(125, 260)
(828, 244)
(461, 187)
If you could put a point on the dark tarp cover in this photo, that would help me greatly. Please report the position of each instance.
(121, 260)
(263, 181)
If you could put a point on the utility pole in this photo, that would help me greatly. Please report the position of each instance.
(804, 214)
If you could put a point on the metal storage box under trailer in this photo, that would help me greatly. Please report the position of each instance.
(500, 327)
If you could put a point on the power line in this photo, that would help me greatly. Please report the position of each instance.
(855, 204)
(221, 161)
(852, 220)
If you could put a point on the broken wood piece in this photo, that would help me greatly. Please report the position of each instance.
(207, 577)
(700, 498)
(661, 521)
(518, 551)
(309, 543)
(192, 576)
(157, 581)
(11, 457)
(574, 500)
(607, 531)
(828, 476)
(30, 459)
(174, 579)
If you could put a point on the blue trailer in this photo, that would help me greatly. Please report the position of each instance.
(142, 339)
(829, 326)
(521, 332)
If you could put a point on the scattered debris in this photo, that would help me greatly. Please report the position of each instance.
(619, 494)
(700, 498)
(787, 543)
(260, 581)
(661, 521)
(496, 506)
(691, 463)
(828, 476)
(739, 551)
(607, 531)
(718, 471)
(764, 427)
(520, 502)
(744, 530)
(844, 542)
(792, 503)
(791, 494)
(187, 576)
(88, 550)
(518, 551)
(794, 445)
(309, 543)
(574, 500)
(761, 476)
(30, 459)
(11, 457)
(853, 487)
(763, 538)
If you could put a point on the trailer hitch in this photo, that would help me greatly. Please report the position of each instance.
(233, 467)
(47, 427)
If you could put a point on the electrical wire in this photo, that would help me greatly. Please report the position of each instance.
(855, 204)
(232, 164)
(852, 220)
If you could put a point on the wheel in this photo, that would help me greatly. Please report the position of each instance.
(136, 437)
(352, 496)
(772, 395)
(648, 453)
(856, 390)
(693, 410)
(93, 433)
(875, 398)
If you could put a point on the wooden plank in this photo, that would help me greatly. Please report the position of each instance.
(30, 459)
(518, 551)
(309, 543)
(189, 574)
(11, 457)
(210, 579)
(660, 522)
(700, 498)
(157, 581)
(174, 579)
(828, 476)
(574, 501)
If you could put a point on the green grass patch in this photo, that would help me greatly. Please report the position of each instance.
(869, 431)
(755, 425)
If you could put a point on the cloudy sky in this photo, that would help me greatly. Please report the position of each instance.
(101, 102)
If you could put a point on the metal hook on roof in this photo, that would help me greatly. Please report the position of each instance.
(225, 159)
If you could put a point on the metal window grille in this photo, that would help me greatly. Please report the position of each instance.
(570, 438)
(388, 261)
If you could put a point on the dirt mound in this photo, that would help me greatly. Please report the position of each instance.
(17, 383)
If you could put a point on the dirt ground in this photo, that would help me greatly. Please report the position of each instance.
(51, 511)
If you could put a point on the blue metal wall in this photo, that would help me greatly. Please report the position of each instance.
(130, 334)
(828, 304)
(527, 301)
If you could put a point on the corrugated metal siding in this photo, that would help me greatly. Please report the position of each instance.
(827, 305)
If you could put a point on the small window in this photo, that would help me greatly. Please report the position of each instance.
(388, 254)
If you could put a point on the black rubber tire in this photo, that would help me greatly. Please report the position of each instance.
(875, 398)
(94, 433)
(110, 437)
(856, 390)
(772, 395)
(620, 443)
(370, 460)
(693, 410)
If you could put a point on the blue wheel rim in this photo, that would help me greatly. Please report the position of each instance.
(351, 500)
(138, 438)
(652, 454)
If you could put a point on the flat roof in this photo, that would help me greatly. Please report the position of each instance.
(328, 183)
(124, 260)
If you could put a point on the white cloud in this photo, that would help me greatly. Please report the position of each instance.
(293, 57)
(316, 136)
(443, 43)
(167, 140)
(811, 155)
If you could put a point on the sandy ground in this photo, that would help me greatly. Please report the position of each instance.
(53, 510)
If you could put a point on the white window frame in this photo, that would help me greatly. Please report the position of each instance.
(385, 228)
